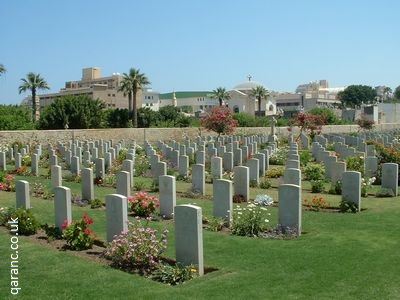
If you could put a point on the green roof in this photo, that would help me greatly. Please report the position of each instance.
(186, 95)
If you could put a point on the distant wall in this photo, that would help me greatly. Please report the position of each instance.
(152, 134)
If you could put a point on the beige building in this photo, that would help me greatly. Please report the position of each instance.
(95, 86)
(307, 96)
(192, 101)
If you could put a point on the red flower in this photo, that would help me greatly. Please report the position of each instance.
(88, 231)
(87, 219)
(64, 225)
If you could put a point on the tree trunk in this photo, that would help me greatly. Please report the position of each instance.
(130, 102)
(220, 102)
(34, 104)
(259, 107)
(134, 111)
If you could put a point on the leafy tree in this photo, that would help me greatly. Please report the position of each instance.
(183, 121)
(221, 94)
(133, 82)
(308, 123)
(355, 95)
(14, 117)
(2, 69)
(147, 117)
(168, 113)
(186, 108)
(397, 93)
(327, 113)
(220, 120)
(248, 120)
(118, 118)
(79, 112)
(33, 82)
(259, 92)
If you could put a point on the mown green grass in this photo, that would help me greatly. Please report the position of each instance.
(339, 256)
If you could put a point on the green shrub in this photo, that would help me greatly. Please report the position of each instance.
(249, 220)
(155, 186)
(52, 232)
(96, 203)
(139, 185)
(174, 275)
(336, 189)
(122, 154)
(141, 165)
(275, 172)
(317, 186)
(253, 183)
(314, 172)
(355, 163)
(265, 184)
(26, 160)
(27, 222)
(279, 157)
(213, 223)
(305, 157)
(346, 206)
(110, 180)
(78, 235)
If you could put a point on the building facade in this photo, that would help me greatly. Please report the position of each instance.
(95, 86)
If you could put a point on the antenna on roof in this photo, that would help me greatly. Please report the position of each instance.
(249, 77)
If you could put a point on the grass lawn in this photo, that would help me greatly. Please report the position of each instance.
(339, 256)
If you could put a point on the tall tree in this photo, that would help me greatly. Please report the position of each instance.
(221, 94)
(131, 84)
(355, 95)
(33, 82)
(2, 69)
(259, 92)
(79, 112)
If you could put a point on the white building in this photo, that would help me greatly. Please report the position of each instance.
(242, 99)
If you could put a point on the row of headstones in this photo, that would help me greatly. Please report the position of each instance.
(220, 160)
(351, 180)
(231, 152)
(359, 142)
(188, 221)
(35, 157)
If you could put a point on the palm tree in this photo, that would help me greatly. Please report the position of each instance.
(259, 92)
(131, 83)
(2, 69)
(221, 94)
(33, 82)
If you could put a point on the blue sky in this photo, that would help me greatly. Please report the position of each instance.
(201, 45)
